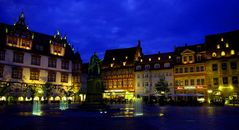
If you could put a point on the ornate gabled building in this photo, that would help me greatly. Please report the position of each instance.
(29, 60)
(118, 72)
(150, 69)
(222, 64)
(190, 73)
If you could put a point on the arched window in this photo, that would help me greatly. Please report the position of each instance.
(147, 67)
(156, 66)
(214, 54)
(223, 53)
(166, 65)
(232, 52)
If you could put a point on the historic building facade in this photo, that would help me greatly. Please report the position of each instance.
(118, 72)
(148, 72)
(36, 65)
(190, 73)
(222, 65)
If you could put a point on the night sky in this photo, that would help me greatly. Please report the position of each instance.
(97, 25)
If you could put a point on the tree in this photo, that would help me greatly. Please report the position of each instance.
(161, 88)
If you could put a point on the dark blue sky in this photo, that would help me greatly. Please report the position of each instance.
(97, 25)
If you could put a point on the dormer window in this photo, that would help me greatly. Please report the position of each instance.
(232, 52)
(126, 57)
(149, 59)
(218, 46)
(199, 58)
(124, 63)
(185, 58)
(190, 58)
(227, 45)
(223, 53)
(214, 54)
(158, 58)
(169, 57)
(112, 65)
(141, 60)
(113, 58)
(222, 39)
(178, 59)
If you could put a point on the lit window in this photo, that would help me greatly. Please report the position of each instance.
(227, 45)
(158, 58)
(214, 54)
(141, 60)
(124, 63)
(169, 57)
(126, 57)
(218, 46)
(156, 66)
(232, 52)
(113, 58)
(223, 53)
(149, 59)
(222, 39)
(112, 64)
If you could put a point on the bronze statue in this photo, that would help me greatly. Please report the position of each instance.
(94, 66)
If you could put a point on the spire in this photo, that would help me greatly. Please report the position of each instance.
(21, 20)
(139, 43)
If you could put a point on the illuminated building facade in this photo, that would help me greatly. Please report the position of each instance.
(30, 60)
(118, 72)
(149, 70)
(190, 73)
(222, 64)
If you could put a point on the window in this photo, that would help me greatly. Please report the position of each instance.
(65, 64)
(113, 58)
(227, 45)
(158, 58)
(198, 81)
(224, 66)
(51, 76)
(178, 60)
(138, 84)
(218, 46)
(138, 67)
(215, 81)
(233, 65)
(176, 70)
(138, 75)
(225, 80)
(232, 52)
(34, 74)
(76, 78)
(166, 65)
(147, 67)
(124, 63)
(223, 53)
(64, 77)
(197, 69)
(112, 65)
(36, 60)
(146, 84)
(149, 59)
(185, 70)
(192, 81)
(156, 66)
(180, 70)
(190, 58)
(184, 58)
(234, 80)
(16, 73)
(214, 67)
(52, 62)
(214, 54)
(76, 67)
(186, 82)
(169, 57)
(191, 69)
(202, 81)
(202, 68)
(2, 54)
(18, 57)
(199, 58)
(1, 70)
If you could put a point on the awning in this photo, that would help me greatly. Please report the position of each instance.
(187, 95)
